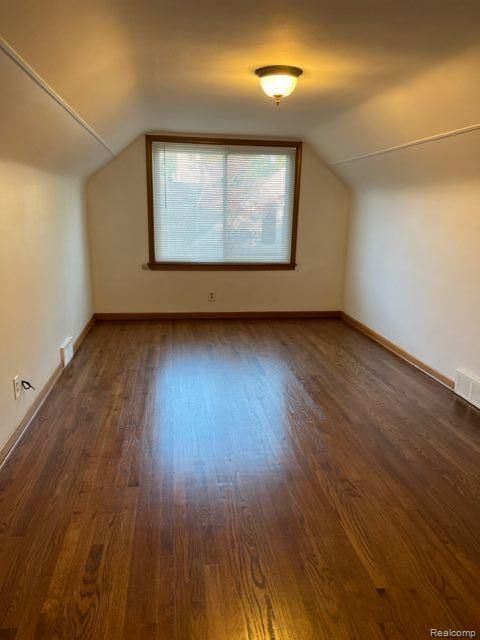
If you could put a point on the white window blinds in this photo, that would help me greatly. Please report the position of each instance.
(222, 204)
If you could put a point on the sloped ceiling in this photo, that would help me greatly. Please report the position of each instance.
(36, 131)
(378, 73)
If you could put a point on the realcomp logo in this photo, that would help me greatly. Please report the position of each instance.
(452, 633)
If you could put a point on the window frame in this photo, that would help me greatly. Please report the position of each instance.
(222, 266)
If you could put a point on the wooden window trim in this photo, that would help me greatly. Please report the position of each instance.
(224, 266)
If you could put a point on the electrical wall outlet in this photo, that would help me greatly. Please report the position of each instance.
(211, 296)
(17, 387)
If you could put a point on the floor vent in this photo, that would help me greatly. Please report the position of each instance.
(468, 387)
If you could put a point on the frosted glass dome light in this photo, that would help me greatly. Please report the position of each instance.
(278, 81)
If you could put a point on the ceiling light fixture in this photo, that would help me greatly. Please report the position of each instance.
(278, 81)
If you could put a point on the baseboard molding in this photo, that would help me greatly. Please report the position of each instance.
(20, 430)
(216, 315)
(24, 424)
(398, 351)
(84, 333)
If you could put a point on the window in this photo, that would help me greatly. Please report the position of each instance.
(222, 204)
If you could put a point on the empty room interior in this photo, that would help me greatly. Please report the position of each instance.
(239, 320)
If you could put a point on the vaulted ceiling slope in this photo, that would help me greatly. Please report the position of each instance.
(378, 73)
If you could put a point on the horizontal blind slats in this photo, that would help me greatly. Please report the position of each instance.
(222, 204)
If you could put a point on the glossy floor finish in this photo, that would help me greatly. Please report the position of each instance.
(241, 480)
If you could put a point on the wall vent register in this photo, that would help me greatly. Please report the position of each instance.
(468, 387)
(66, 351)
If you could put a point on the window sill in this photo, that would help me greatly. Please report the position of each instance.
(215, 266)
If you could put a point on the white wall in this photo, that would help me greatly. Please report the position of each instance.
(45, 292)
(117, 208)
(413, 268)
(44, 284)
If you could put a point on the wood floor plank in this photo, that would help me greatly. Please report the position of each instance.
(243, 480)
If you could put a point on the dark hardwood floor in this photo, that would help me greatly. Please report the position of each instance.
(241, 480)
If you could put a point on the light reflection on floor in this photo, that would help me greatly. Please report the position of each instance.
(211, 406)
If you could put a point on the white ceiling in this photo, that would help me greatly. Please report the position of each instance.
(377, 73)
